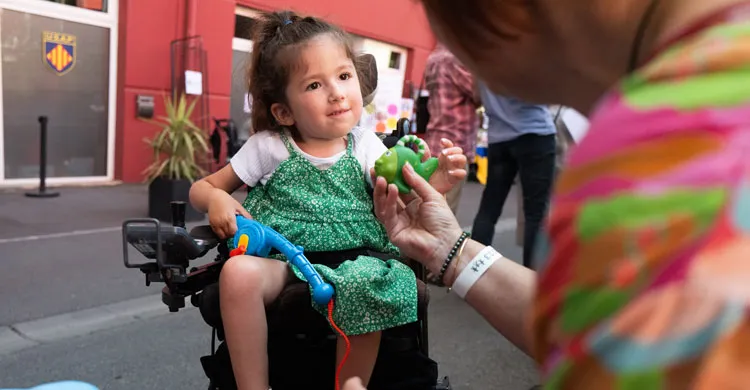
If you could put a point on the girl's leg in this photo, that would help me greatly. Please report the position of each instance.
(361, 360)
(246, 285)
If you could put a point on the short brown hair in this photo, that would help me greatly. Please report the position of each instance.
(474, 25)
(273, 58)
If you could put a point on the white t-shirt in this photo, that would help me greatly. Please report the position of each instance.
(259, 157)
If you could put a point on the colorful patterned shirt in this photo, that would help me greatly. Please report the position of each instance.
(451, 104)
(647, 282)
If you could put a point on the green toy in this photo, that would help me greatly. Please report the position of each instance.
(391, 163)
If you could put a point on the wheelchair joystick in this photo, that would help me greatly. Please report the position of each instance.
(178, 213)
(256, 239)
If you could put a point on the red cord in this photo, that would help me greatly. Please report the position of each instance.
(346, 340)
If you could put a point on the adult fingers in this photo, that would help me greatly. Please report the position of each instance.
(393, 207)
(407, 198)
(385, 200)
(379, 195)
(412, 208)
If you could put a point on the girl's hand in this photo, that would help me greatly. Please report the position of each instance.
(451, 167)
(222, 213)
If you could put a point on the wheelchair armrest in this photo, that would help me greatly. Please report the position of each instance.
(205, 236)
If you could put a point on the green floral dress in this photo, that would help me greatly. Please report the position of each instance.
(331, 210)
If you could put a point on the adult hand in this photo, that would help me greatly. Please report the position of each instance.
(425, 229)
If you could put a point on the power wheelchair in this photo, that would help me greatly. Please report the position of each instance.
(301, 344)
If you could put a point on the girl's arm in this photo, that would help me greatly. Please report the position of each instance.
(218, 184)
(212, 195)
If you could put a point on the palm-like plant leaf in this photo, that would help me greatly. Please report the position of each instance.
(177, 144)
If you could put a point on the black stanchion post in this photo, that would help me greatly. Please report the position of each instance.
(42, 192)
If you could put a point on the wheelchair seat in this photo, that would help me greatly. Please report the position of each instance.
(291, 312)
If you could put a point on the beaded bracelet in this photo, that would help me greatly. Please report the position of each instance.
(458, 262)
(451, 256)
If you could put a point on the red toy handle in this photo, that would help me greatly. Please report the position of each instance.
(237, 251)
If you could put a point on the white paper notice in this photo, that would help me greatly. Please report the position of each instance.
(193, 82)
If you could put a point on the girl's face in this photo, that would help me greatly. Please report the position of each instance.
(325, 101)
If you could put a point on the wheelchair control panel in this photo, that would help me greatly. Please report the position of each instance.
(171, 248)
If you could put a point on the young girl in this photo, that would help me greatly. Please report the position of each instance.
(309, 168)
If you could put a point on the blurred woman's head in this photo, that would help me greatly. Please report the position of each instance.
(553, 51)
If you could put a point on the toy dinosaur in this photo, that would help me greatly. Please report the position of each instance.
(390, 164)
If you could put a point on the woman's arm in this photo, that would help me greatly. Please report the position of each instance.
(426, 230)
(503, 295)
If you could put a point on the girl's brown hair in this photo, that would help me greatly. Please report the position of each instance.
(276, 39)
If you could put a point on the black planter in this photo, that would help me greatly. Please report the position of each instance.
(162, 191)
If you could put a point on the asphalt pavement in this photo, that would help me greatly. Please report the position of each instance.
(69, 309)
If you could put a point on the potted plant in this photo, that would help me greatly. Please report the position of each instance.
(176, 147)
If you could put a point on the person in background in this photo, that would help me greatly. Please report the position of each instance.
(521, 138)
(452, 106)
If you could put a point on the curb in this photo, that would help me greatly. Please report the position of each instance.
(79, 323)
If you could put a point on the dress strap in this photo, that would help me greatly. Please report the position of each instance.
(292, 151)
(349, 147)
(287, 143)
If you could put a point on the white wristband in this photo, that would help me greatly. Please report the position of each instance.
(474, 270)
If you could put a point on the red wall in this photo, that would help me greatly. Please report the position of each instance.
(146, 29)
(400, 22)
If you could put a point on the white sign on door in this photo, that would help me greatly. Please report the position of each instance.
(193, 82)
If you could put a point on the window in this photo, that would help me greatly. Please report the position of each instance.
(96, 5)
(71, 88)
(395, 60)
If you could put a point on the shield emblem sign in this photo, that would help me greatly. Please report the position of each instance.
(59, 51)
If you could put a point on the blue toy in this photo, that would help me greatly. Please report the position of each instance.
(255, 239)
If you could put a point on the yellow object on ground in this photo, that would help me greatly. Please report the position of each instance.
(481, 169)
